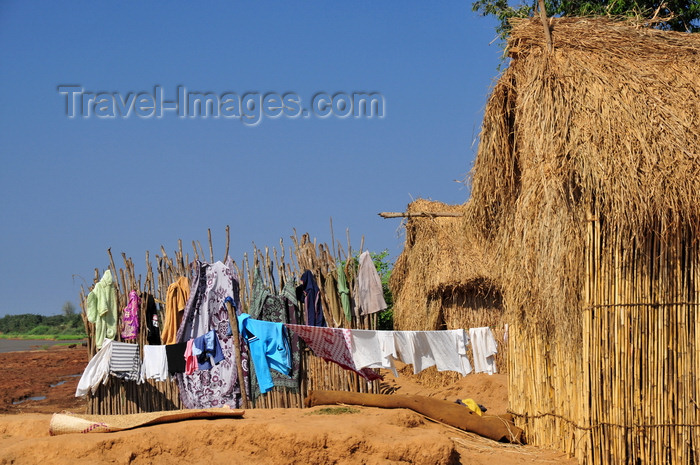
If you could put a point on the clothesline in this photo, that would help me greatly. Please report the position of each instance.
(357, 350)
(217, 369)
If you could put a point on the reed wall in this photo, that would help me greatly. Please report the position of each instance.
(629, 393)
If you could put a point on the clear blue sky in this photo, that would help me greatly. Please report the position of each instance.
(71, 188)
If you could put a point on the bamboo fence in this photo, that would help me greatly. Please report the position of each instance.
(277, 265)
(629, 394)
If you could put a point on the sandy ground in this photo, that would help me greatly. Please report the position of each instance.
(276, 436)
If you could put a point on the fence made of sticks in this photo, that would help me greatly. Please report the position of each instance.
(630, 393)
(277, 265)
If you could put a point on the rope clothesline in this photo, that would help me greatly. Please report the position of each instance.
(603, 423)
(640, 304)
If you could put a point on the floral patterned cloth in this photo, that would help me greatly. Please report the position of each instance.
(130, 317)
(205, 311)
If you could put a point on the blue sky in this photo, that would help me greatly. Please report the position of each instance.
(72, 187)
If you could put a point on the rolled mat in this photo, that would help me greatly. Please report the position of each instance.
(498, 428)
(66, 423)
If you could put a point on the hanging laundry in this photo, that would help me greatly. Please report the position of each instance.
(335, 309)
(484, 348)
(291, 304)
(175, 301)
(373, 349)
(96, 371)
(446, 350)
(175, 354)
(152, 324)
(369, 295)
(333, 345)
(190, 359)
(344, 293)
(207, 350)
(125, 361)
(269, 348)
(130, 317)
(102, 309)
(205, 311)
(312, 300)
(155, 363)
(277, 309)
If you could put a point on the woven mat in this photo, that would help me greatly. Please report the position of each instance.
(67, 423)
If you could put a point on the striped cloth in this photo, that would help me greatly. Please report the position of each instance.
(125, 361)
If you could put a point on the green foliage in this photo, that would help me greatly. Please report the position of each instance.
(685, 14)
(30, 324)
(40, 329)
(384, 267)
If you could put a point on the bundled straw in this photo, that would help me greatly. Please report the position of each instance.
(604, 127)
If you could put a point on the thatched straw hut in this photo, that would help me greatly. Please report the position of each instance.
(586, 188)
(442, 279)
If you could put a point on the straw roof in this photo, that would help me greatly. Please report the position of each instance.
(437, 257)
(606, 127)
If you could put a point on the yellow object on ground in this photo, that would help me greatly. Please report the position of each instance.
(471, 404)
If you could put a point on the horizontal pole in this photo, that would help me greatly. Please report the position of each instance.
(419, 214)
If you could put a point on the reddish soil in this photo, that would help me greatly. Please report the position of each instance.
(52, 373)
(277, 436)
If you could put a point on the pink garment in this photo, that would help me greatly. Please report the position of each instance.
(333, 345)
(130, 317)
(191, 364)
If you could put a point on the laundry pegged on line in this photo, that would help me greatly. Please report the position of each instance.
(484, 349)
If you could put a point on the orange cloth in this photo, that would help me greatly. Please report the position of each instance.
(175, 301)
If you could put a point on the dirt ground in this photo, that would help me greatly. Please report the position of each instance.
(276, 436)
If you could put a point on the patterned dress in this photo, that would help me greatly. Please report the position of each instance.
(205, 311)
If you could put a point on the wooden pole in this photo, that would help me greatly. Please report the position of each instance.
(228, 242)
(419, 214)
(233, 321)
(545, 25)
(211, 246)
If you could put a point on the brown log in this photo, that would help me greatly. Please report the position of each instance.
(489, 426)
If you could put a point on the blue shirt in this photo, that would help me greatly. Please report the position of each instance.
(269, 348)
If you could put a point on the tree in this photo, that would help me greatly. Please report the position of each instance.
(683, 15)
(68, 309)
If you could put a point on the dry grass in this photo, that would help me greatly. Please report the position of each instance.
(442, 279)
(606, 126)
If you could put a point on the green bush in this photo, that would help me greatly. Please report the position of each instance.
(41, 329)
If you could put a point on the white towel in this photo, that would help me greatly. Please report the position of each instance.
(484, 348)
(447, 350)
(96, 371)
(155, 363)
(373, 349)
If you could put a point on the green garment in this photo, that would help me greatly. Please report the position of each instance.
(344, 293)
(102, 309)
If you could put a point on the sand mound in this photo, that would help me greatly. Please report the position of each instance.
(319, 435)
(278, 436)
